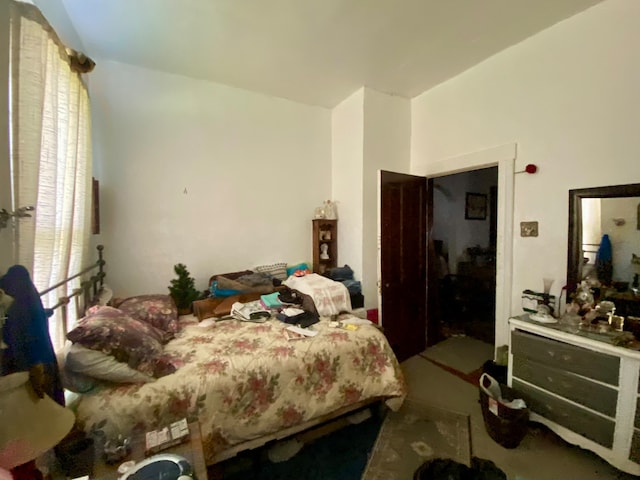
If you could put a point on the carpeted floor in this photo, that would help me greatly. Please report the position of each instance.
(389, 446)
(461, 353)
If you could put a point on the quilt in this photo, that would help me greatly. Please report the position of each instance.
(243, 380)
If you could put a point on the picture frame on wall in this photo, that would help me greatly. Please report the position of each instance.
(475, 207)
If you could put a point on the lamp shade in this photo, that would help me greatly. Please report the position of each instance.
(29, 425)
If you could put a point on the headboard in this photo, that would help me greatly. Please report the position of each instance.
(83, 296)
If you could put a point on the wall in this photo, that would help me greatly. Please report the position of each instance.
(6, 245)
(449, 223)
(370, 132)
(569, 98)
(215, 177)
(347, 156)
(387, 134)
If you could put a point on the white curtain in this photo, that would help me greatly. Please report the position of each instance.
(50, 155)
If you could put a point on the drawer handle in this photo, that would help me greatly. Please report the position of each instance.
(549, 379)
(566, 358)
(551, 353)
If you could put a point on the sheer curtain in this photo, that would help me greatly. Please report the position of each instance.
(50, 154)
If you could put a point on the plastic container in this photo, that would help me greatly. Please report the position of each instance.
(505, 425)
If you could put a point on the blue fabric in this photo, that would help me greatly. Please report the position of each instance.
(271, 300)
(26, 330)
(604, 263)
(340, 273)
(217, 292)
(353, 286)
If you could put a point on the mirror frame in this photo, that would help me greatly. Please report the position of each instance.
(575, 223)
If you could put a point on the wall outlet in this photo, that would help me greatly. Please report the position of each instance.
(528, 229)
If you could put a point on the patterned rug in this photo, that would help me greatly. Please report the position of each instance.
(415, 434)
(391, 446)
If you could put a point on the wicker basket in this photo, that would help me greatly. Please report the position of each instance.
(509, 426)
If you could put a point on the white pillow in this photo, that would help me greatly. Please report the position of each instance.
(101, 366)
(276, 270)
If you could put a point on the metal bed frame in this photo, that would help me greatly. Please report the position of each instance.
(83, 295)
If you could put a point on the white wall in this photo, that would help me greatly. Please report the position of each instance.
(6, 245)
(387, 134)
(347, 156)
(370, 132)
(569, 98)
(215, 177)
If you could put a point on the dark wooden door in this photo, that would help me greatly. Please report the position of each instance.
(403, 261)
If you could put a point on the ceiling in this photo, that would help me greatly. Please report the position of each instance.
(312, 51)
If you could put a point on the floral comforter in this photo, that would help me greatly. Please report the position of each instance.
(243, 380)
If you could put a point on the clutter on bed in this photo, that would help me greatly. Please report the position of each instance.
(245, 383)
(345, 275)
(330, 297)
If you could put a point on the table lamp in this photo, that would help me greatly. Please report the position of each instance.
(30, 425)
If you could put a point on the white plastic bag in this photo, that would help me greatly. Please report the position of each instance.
(491, 387)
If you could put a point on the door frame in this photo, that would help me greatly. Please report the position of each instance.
(504, 157)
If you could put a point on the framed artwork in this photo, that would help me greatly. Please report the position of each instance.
(475, 207)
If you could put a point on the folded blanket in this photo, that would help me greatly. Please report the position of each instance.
(330, 298)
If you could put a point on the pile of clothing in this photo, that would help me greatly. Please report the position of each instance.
(344, 275)
(292, 307)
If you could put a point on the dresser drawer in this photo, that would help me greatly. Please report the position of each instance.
(576, 419)
(562, 356)
(579, 389)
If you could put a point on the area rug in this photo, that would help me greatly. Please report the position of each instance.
(341, 455)
(416, 433)
(463, 354)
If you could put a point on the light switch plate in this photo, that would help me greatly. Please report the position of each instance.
(528, 229)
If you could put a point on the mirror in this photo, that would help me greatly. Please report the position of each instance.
(594, 212)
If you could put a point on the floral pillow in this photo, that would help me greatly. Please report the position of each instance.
(157, 310)
(128, 340)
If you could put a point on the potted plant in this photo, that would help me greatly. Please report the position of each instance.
(183, 290)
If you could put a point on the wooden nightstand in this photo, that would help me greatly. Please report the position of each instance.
(191, 449)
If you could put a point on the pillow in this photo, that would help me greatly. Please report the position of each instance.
(83, 362)
(298, 270)
(72, 381)
(130, 341)
(159, 311)
(276, 270)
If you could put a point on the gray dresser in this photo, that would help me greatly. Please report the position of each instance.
(581, 386)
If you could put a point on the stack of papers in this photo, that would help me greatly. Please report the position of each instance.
(250, 312)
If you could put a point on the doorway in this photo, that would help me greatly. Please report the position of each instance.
(464, 236)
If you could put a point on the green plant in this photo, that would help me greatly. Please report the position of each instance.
(182, 288)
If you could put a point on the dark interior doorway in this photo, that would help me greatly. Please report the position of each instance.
(464, 239)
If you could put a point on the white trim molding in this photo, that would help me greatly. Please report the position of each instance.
(504, 157)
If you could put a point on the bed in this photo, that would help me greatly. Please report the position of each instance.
(250, 383)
